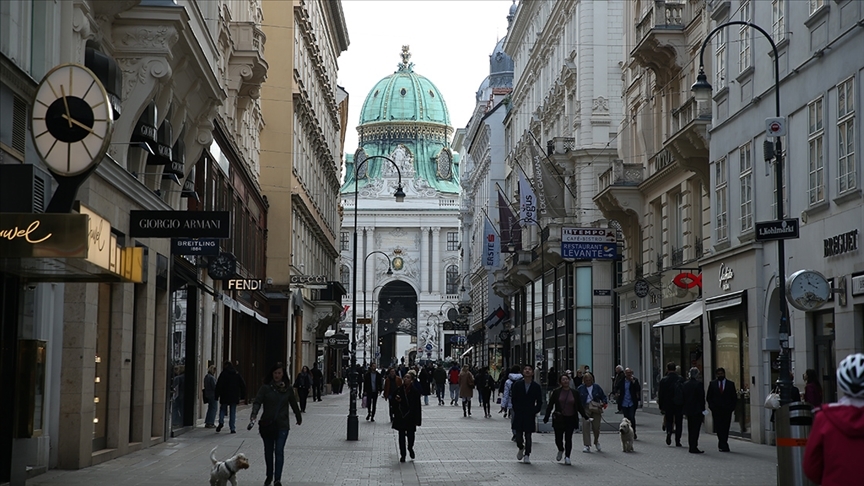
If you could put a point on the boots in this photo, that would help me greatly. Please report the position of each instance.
(465, 408)
(469, 408)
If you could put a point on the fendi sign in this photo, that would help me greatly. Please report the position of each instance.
(179, 224)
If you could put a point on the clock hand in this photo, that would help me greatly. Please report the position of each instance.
(66, 104)
(76, 122)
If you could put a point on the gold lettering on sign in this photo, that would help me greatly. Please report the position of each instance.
(11, 234)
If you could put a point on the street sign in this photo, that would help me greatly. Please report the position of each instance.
(457, 339)
(364, 320)
(338, 341)
(775, 127)
(589, 243)
(429, 346)
(777, 230)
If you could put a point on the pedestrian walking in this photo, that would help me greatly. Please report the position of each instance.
(373, 385)
(453, 376)
(722, 397)
(616, 381)
(836, 441)
(694, 409)
(210, 397)
(506, 402)
(565, 407)
(440, 377)
(527, 399)
(275, 398)
(484, 384)
(670, 399)
(391, 384)
(595, 401)
(629, 393)
(812, 389)
(303, 383)
(317, 383)
(425, 379)
(230, 389)
(466, 390)
(408, 415)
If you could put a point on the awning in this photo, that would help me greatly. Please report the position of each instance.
(466, 352)
(730, 300)
(684, 316)
(239, 307)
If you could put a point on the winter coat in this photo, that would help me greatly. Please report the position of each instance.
(666, 392)
(209, 388)
(454, 375)
(367, 383)
(597, 394)
(483, 382)
(813, 394)
(425, 381)
(505, 399)
(303, 381)
(230, 388)
(836, 444)
(407, 412)
(440, 375)
(526, 405)
(635, 392)
(317, 376)
(555, 405)
(391, 385)
(269, 396)
(466, 384)
(694, 398)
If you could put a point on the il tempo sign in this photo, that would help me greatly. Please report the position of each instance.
(245, 284)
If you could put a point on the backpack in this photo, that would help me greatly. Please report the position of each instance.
(678, 397)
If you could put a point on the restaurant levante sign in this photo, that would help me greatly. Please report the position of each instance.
(179, 224)
(35, 235)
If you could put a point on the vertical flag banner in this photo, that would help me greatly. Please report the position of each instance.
(491, 246)
(511, 232)
(527, 200)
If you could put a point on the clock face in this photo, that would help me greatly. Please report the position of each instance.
(71, 120)
(807, 289)
(222, 266)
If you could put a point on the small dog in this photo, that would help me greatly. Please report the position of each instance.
(626, 431)
(224, 472)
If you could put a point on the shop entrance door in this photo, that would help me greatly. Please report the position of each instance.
(732, 352)
(825, 356)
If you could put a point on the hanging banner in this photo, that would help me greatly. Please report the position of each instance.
(527, 201)
(491, 246)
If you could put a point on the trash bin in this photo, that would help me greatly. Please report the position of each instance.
(793, 422)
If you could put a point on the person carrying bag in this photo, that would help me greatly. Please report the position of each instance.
(275, 421)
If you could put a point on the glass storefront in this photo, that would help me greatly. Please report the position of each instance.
(177, 380)
(731, 352)
(102, 359)
(825, 356)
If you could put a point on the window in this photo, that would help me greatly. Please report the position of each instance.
(815, 136)
(720, 60)
(746, 179)
(343, 241)
(816, 5)
(721, 224)
(452, 280)
(345, 277)
(778, 19)
(846, 170)
(452, 241)
(744, 38)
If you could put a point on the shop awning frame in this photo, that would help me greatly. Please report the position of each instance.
(684, 316)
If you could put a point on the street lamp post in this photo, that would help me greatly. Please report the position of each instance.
(389, 272)
(702, 92)
(353, 422)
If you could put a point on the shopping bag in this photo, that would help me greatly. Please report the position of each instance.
(363, 403)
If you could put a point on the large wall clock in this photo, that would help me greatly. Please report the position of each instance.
(807, 290)
(71, 120)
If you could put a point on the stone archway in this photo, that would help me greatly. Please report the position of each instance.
(396, 321)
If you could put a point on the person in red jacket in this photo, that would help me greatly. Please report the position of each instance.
(836, 442)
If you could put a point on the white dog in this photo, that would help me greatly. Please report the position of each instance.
(224, 472)
(626, 431)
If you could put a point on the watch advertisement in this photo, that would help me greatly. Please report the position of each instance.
(179, 224)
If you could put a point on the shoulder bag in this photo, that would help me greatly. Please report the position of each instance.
(772, 401)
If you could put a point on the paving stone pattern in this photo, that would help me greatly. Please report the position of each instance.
(451, 450)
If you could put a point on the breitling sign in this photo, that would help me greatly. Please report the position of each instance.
(179, 224)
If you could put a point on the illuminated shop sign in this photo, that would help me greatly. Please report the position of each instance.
(26, 235)
(179, 224)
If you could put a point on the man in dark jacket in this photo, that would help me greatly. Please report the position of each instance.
(373, 383)
(616, 383)
(440, 377)
(629, 394)
(670, 398)
(527, 399)
(317, 383)
(230, 389)
(694, 408)
(722, 397)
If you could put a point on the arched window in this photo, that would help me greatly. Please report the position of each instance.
(452, 280)
(345, 277)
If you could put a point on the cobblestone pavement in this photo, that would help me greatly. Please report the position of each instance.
(450, 450)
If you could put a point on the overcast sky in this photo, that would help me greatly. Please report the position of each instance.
(450, 40)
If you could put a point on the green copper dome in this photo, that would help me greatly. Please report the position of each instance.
(404, 96)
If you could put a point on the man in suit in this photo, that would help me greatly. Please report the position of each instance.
(694, 405)
(373, 384)
(671, 405)
(722, 396)
(527, 399)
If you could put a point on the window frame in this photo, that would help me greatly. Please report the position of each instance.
(847, 173)
(344, 241)
(816, 5)
(744, 38)
(745, 178)
(778, 20)
(721, 202)
(452, 241)
(720, 59)
(816, 151)
(452, 279)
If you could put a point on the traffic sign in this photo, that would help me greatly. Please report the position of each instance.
(775, 127)
(429, 346)
(777, 230)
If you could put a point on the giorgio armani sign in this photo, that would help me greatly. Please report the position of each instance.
(179, 224)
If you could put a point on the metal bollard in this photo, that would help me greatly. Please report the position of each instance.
(793, 422)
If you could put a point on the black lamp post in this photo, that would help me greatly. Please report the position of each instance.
(353, 423)
(389, 272)
(702, 92)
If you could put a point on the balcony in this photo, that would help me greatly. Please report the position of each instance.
(619, 197)
(689, 140)
(661, 44)
(248, 55)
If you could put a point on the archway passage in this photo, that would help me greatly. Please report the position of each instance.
(397, 321)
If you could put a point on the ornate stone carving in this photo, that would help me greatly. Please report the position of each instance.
(146, 38)
(601, 105)
(444, 165)
(138, 70)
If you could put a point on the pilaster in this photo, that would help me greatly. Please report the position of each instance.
(424, 261)
(436, 257)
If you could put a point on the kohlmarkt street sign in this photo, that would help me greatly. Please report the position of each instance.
(338, 341)
(777, 230)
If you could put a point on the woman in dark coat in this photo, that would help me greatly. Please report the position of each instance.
(278, 399)
(567, 408)
(303, 384)
(425, 384)
(693, 409)
(407, 414)
(812, 389)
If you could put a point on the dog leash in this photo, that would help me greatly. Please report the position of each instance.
(238, 447)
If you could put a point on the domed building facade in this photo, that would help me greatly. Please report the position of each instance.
(408, 272)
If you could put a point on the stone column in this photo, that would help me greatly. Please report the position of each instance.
(425, 268)
(436, 258)
(370, 266)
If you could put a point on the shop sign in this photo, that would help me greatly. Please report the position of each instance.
(308, 279)
(26, 235)
(783, 229)
(726, 275)
(245, 284)
(840, 244)
(858, 285)
(99, 234)
(179, 224)
(589, 243)
(679, 286)
(195, 246)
